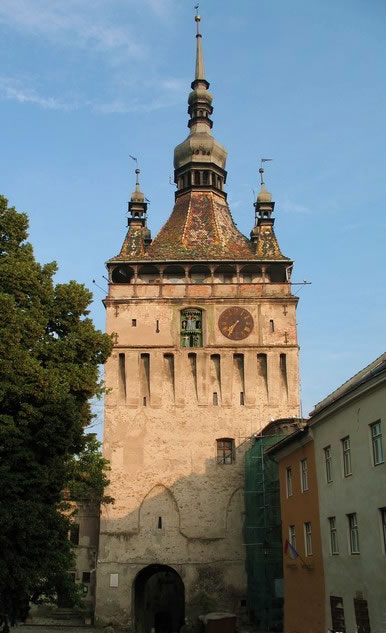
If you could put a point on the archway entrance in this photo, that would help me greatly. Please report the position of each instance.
(159, 599)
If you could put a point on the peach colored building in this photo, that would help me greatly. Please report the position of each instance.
(303, 560)
(205, 354)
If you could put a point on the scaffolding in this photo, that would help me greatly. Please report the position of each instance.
(262, 535)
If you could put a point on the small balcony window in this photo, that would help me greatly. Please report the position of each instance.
(191, 328)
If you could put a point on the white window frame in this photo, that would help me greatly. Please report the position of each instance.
(308, 538)
(353, 533)
(334, 544)
(346, 454)
(288, 482)
(292, 536)
(328, 463)
(304, 474)
(376, 441)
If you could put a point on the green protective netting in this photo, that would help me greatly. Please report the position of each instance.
(262, 536)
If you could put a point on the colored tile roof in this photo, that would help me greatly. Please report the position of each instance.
(200, 227)
(133, 247)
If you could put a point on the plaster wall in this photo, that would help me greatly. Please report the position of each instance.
(174, 504)
(364, 492)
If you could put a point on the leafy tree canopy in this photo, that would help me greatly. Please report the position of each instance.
(49, 358)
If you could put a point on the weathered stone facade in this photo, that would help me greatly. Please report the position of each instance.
(183, 397)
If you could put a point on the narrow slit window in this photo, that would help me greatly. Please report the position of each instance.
(133, 322)
(157, 326)
(271, 325)
(288, 481)
(144, 401)
(160, 523)
(74, 533)
(242, 401)
(122, 376)
(215, 399)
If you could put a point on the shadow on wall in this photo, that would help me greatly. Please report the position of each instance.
(180, 552)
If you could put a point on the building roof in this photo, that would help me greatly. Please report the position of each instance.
(376, 367)
(200, 227)
(300, 432)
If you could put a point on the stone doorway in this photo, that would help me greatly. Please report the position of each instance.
(159, 599)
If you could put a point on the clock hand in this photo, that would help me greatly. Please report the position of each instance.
(232, 327)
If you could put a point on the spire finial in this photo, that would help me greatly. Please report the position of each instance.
(264, 195)
(200, 72)
(137, 172)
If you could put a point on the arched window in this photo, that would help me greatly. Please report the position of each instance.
(174, 274)
(199, 274)
(191, 327)
(148, 273)
(225, 274)
(251, 273)
(277, 273)
(122, 274)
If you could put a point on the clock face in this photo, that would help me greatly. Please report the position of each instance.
(235, 323)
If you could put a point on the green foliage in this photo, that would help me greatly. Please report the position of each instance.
(86, 478)
(49, 358)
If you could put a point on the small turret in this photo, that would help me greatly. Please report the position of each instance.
(137, 207)
(262, 234)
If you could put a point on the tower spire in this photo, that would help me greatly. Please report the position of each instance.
(200, 71)
(199, 161)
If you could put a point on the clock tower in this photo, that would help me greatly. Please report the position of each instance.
(205, 356)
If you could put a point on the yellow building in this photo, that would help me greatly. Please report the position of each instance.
(205, 355)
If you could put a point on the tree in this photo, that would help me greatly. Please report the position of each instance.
(49, 358)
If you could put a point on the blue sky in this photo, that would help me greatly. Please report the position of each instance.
(85, 83)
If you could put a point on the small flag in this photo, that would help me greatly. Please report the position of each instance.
(289, 549)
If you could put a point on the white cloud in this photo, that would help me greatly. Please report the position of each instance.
(71, 22)
(168, 92)
(11, 89)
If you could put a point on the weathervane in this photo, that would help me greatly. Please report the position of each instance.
(261, 170)
(137, 171)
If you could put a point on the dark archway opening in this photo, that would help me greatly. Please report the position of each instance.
(159, 599)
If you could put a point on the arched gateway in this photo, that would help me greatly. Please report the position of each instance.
(159, 599)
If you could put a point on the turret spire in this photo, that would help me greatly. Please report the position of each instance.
(137, 209)
(262, 234)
